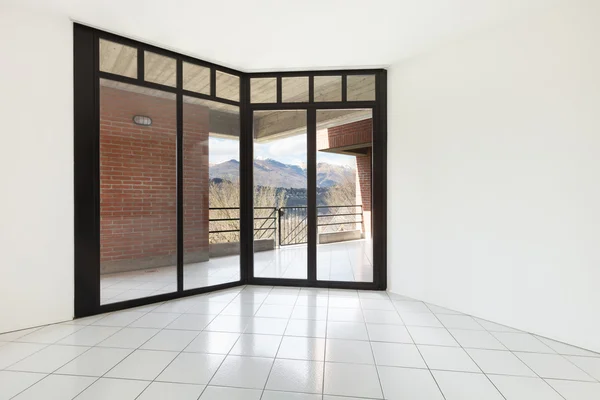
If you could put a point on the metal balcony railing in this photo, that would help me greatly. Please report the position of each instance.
(285, 225)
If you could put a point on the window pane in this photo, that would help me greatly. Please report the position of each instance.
(294, 90)
(211, 193)
(196, 78)
(360, 87)
(263, 90)
(344, 159)
(328, 88)
(228, 86)
(118, 59)
(280, 194)
(160, 69)
(138, 196)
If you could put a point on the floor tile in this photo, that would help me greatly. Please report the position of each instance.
(302, 348)
(129, 338)
(95, 362)
(281, 299)
(307, 328)
(382, 317)
(266, 326)
(13, 352)
(272, 395)
(242, 309)
(476, 339)
(420, 319)
(327, 397)
(349, 351)
(345, 315)
(408, 383)
(388, 333)
(49, 359)
(209, 308)
(194, 368)
(312, 301)
(274, 311)
(12, 383)
(572, 390)
(312, 313)
(553, 366)
(522, 342)
(243, 372)
(170, 340)
(213, 342)
(14, 335)
(171, 391)
(344, 302)
(352, 380)
(56, 387)
(105, 388)
(565, 349)
(121, 318)
(376, 304)
(228, 323)
(397, 355)
(448, 358)
(441, 310)
(521, 388)
(90, 335)
(411, 307)
(591, 365)
(494, 327)
(346, 330)
(459, 322)
(296, 376)
(432, 336)
(500, 362)
(175, 306)
(254, 345)
(142, 364)
(229, 393)
(191, 322)
(466, 386)
(50, 334)
(155, 320)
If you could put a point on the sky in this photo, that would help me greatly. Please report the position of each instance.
(291, 150)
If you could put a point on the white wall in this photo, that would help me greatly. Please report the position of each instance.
(494, 182)
(36, 169)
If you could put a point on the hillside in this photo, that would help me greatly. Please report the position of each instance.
(273, 173)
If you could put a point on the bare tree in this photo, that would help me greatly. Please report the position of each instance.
(340, 199)
(224, 203)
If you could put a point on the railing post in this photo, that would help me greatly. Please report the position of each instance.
(278, 211)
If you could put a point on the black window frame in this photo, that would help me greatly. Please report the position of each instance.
(87, 77)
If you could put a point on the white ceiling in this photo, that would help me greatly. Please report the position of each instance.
(259, 35)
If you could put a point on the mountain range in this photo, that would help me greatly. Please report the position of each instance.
(269, 172)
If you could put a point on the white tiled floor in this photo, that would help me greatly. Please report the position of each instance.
(353, 262)
(263, 343)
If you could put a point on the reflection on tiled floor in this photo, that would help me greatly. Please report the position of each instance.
(290, 343)
(346, 261)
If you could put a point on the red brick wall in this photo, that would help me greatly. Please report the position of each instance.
(138, 199)
(195, 182)
(354, 133)
(363, 187)
(346, 135)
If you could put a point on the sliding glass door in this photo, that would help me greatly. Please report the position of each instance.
(280, 194)
(312, 173)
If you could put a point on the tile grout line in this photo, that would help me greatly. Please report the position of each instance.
(97, 378)
(419, 350)
(466, 352)
(280, 343)
(180, 352)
